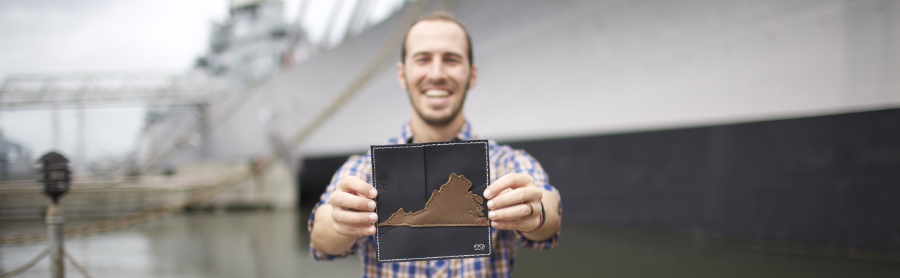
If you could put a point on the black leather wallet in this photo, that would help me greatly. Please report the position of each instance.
(430, 203)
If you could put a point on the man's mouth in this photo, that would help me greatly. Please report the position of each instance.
(435, 93)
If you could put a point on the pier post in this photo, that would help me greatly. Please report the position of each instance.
(55, 222)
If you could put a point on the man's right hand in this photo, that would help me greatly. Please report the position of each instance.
(353, 207)
(348, 214)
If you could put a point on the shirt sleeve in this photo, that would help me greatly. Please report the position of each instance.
(521, 162)
(358, 166)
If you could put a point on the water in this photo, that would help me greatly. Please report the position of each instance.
(275, 244)
(243, 244)
(592, 252)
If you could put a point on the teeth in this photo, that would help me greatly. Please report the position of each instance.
(436, 93)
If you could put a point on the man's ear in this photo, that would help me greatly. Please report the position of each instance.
(401, 77)
(473, 76)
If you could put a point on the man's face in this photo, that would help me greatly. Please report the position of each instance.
(436, 74)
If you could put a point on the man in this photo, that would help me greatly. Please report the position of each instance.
(436, 70)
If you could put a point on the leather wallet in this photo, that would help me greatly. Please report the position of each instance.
(430, 204)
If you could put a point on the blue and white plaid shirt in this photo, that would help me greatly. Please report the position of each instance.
(504, 160)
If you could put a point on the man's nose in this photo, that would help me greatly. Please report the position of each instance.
(436, 73)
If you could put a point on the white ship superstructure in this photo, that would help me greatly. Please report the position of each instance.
(252, 42)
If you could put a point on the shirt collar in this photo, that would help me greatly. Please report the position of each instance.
(406, 134)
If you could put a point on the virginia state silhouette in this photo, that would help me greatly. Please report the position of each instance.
(451, 205)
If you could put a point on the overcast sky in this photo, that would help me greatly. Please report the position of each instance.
(60, 36)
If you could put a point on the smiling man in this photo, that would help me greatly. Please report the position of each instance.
(437, 71)
(437, 74)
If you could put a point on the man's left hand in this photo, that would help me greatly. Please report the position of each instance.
(514, 202)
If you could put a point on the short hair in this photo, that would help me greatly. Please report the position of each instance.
(438, 15)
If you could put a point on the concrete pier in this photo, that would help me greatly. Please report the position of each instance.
(274, 188)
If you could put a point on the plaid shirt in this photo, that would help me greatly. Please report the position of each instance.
(504, 160)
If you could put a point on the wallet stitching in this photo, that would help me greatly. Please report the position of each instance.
(487, 174)
(386, 232)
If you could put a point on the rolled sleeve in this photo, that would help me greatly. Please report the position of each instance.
(322, 256)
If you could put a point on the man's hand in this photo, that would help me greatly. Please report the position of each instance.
(353, 207)
(348, 214)
(514, 202)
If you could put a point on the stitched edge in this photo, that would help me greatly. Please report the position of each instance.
(487, 165)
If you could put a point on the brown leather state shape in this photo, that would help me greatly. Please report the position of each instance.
(452, 205)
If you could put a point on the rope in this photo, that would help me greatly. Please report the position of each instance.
(76, 265)
(28, 265)
(41, 256)
(123, 222)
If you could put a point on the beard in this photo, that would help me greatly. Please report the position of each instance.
(439, 121)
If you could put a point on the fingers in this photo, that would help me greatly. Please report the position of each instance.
(514, 212)
(510, 191)
(349, 230)
(530, 194)
(514, 203)
(355, 185)
(353, 223)
(356, 218)
(352, 207)
(353, 193)
(347, 201)
(509, 181)
(527, 224)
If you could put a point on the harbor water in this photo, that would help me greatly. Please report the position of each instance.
(275, 244)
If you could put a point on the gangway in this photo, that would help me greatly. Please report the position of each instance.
(80, 90)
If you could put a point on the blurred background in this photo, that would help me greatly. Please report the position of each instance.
(687, 138)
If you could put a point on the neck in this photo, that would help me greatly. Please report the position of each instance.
(425, 133)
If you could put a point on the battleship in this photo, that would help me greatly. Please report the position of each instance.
(767, 119)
